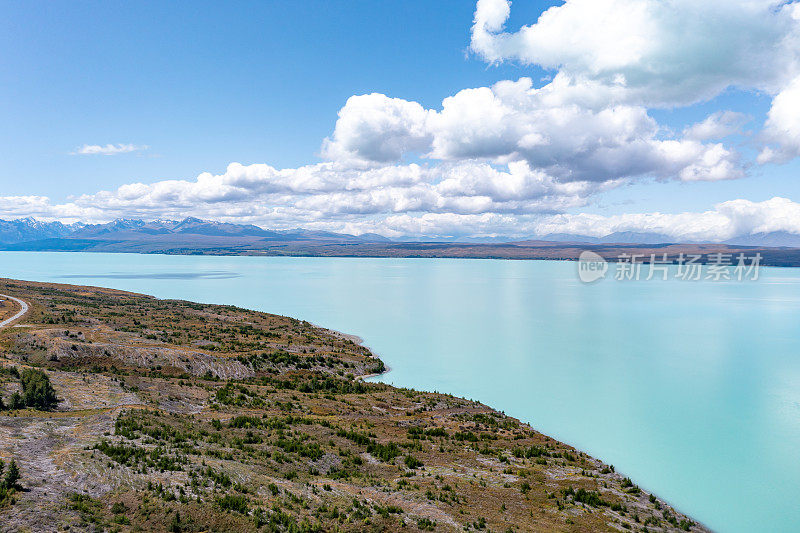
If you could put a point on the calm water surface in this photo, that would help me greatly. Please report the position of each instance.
(690, 388)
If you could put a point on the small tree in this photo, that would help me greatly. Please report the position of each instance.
(37, 390)
(8, 482)
(12, 475)
(16, 401)
(175, 526)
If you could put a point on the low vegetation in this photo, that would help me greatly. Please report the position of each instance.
(9, 483)
(35, 390)
(137, 414)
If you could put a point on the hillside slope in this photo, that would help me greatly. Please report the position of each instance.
(189, 417)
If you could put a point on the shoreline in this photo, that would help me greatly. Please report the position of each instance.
(359, 341)
(365, 377)
(351, 338)
(771, 256)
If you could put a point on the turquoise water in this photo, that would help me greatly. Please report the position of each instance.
(691, 388)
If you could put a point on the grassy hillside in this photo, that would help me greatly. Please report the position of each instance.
(7, 308)
(177, 416)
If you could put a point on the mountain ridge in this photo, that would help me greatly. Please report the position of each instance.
(31, 234)
(29, 230)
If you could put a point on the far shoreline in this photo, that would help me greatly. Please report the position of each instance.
(645, 258)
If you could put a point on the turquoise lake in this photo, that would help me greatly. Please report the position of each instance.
(690, 388)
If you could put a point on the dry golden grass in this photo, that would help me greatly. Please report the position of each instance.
(8, 308)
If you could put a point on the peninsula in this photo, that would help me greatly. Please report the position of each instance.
(123, 412)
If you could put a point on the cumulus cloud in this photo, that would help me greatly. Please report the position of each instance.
(375, 127)
(782, 129)
(513, 121)
(41, 207)
(327, 189)
(513, 159)
(327, 194)
(727, 220)
(660, 53)
(514, 205)
(108, 149)
(717, 126)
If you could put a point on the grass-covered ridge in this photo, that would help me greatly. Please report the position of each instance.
(188, 417)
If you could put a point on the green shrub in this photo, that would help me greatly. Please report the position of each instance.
(9, 482)
(590, 497)
(426, 524)
(16, 401)
(37, 392)
(233, 502)
(412, 462)
(12, 476)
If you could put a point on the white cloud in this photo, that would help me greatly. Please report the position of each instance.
(108, 149)
(326, 193)
(42, 208)
(327, 189)
(782, 129)
(727, 220)
(717, 126)
(460, 205)
(660, 53)
(512, 121)
(374, 127)
(512, 158)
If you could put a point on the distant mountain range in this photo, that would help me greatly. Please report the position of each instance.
(774, 238)
(628, 237)
(29, 229)
(203, 236)
(126, 235)
(131, 229)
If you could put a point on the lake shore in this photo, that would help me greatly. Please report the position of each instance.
(483, 468)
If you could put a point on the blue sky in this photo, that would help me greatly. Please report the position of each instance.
(190, 87)
(204, 85)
